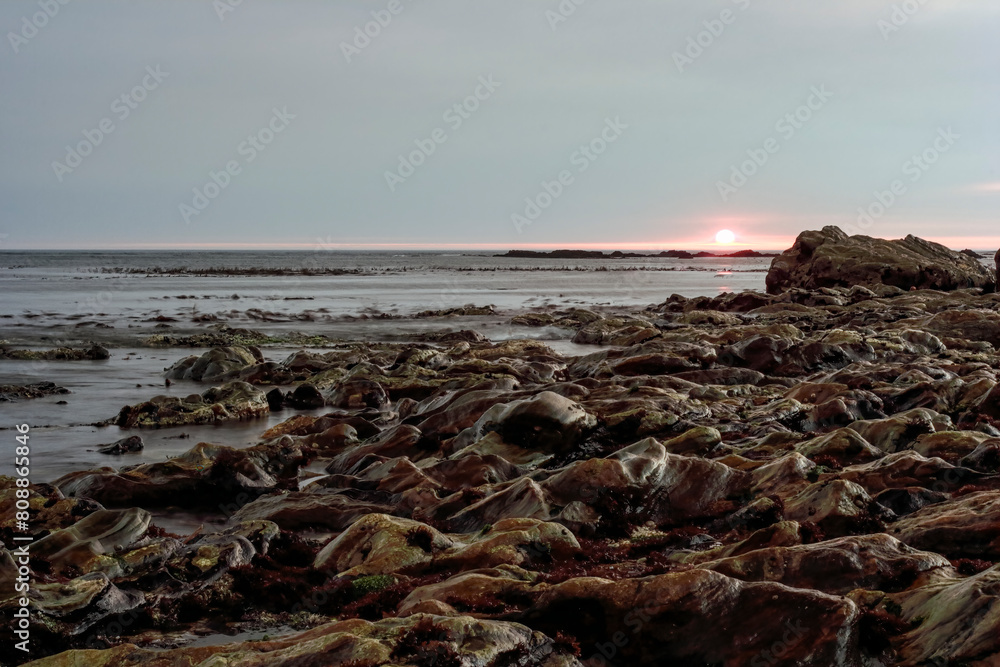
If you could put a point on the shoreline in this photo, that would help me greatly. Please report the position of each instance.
(774, 401)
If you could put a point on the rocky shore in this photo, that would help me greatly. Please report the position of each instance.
(804, 477)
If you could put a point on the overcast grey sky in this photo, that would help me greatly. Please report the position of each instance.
(618, 123)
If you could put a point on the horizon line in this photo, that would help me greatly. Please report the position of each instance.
(956, 243)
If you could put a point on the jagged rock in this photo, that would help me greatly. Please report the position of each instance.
(232, 401)
(952, 446)
(94, 352)
(909, 469)
(381, 544)
(86, 543)
(204, 476)
(13, 392)
(970, 325)
(844, 446)
(901, 430)
(876, 562)
(378, 544)
(968, 527)
(831, 258)
(616, 331)
(73, 607)
(132, 443)
(696, 442)
(838, 507)
(779, 534)
(955, 621)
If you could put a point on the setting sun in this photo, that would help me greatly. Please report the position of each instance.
(725, 237)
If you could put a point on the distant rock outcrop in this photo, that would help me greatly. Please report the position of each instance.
(831, 258)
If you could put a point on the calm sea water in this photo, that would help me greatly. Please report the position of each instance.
(44, 293)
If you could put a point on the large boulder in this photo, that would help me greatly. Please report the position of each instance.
(831, 258)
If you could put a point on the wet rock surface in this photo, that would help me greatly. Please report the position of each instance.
(805, 478)
(15, 392)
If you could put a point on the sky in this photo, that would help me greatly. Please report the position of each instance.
(497, 123)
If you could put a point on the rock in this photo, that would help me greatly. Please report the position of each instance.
(778, 534)
(968, 527)
(358, 394)
(402, 440)
(908, 499)
(71, 608)
(420, 639)
(653, 364)
(837, 507)
(985, 458)
(211, 476)
(381, 544)
(85, 545)
(94, 352)
(616, 331)
(132, 443)
(695, 442)
(831, 258)
(309, 509)
(522, 499)
(969, 325)
(901, 430)
(305, 397)
(483, 590)
(955, 621)
(875, 562)
(908, 468)
(232, 401)
(217, 364)
(843, 446)
(643, 482)
(13, 392)
(667, 619)
(546, 421)
(951, 446)
(275, 400)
